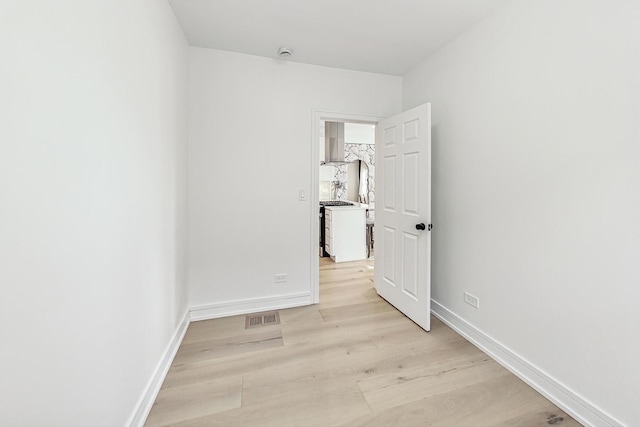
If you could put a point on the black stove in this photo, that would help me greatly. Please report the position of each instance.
(335, 203)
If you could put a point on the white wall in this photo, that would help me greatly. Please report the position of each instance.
(93, 132)
(536, 178)
(249, 154)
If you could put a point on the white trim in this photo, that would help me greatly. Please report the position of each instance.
(252, 305)
(583, 411)
(148, 397)
(318, 115)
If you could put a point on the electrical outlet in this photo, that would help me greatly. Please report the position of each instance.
(280, 278)
(471, 300)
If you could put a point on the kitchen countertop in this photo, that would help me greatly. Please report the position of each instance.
(354, 206)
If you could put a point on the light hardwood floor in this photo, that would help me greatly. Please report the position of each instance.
(352, 360)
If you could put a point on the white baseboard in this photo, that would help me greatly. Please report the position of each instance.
(143, 407)
(252, 305)
(574, 405)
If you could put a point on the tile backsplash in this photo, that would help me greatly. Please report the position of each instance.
(353, 152)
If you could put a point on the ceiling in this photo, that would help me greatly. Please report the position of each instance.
(380, 36)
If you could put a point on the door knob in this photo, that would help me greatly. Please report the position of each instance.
(420, 226)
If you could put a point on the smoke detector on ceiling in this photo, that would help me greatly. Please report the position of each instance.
(285, 52)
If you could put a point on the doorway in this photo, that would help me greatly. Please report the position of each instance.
(337, 191)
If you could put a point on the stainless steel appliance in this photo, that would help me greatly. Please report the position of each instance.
(336, 203)
(334, 143)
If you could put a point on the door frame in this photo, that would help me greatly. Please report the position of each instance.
(314, 199)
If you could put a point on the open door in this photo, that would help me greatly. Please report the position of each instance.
(403, 213)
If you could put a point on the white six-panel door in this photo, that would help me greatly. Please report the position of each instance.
(402, 259)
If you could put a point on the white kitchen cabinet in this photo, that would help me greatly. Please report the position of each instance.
(345, 233)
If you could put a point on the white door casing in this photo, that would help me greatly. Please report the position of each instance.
(402, 260)
(317, 117)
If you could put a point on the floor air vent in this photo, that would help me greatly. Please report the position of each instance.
(262, 319)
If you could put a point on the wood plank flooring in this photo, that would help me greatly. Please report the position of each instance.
(352, 360)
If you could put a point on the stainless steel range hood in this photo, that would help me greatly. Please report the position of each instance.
(333, 143)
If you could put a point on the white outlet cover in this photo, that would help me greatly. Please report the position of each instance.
(472, 300)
